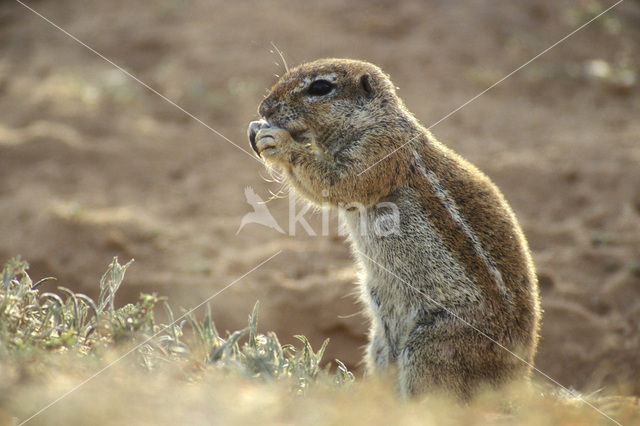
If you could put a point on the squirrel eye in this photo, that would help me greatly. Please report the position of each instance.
(320, 88)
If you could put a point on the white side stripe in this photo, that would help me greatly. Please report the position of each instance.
(449, 204)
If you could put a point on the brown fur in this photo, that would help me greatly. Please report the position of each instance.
(459, 262)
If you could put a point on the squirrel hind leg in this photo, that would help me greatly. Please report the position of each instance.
(453, 358)
(427, 365)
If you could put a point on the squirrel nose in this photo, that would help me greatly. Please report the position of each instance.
(267, 108)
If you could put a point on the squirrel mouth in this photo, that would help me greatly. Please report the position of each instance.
(297, 131)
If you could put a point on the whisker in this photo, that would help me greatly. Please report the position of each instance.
(284, 62)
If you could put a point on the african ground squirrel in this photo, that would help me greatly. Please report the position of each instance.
(451, 292)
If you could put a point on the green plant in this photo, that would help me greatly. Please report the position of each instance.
(73, 321)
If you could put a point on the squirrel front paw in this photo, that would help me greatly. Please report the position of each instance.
(252, 133)
(268, 141)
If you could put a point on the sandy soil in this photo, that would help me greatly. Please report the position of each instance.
(93, 165)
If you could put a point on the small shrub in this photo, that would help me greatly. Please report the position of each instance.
(71, 321)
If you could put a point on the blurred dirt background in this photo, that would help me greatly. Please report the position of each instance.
(93, 165)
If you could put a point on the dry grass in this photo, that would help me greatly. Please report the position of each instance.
(185, 372)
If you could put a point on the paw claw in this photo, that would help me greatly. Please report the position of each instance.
(253, 130)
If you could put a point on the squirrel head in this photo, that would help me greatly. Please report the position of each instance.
(332, 103)
(327, 123)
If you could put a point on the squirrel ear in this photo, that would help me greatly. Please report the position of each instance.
(365, 84)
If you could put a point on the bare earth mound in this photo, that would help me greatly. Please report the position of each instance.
(94, 165)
